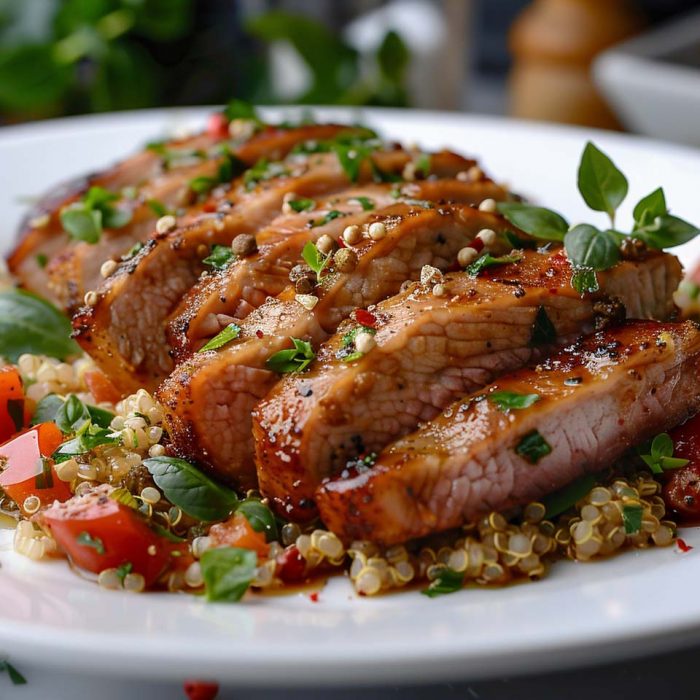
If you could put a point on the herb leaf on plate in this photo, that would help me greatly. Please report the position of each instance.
(537, 221)
(228, 572)
(447, 581)
(191, 490)
(601, 184)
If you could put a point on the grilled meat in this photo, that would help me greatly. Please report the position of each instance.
(209, 398)
(430, 351)
(596, 399)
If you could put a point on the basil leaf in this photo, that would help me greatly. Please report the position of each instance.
(15, 676)
(260, 517)
(649, 207)
(300, 205)
(231, 332)
(632, 518)
(72, 415)
(506, 400)
(100, 416)
(566, 498)
(518, 242)
(296, 359)
(29, 324)
(537, 221)
(366, 203)
(660, 454)
(82, 224)
(543, 330)
(590, 248)
(666, 232)
(533, 447)
(220, 257)
(351, 157)
(488, 260)
(228, 572)
(87, 540)
(602, 186)
(240, 109)
(157, 207)
(584, 280)
(47, 409)
(191, 490)
(448, 581)
(92, 437)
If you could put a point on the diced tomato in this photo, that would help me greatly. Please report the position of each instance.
(365, 318)
(291, 567)
(682, 490)
(201, 690)
(99, 533)
(217, 126)
(101, 387)
(237, 532)
(14, 413)
(29, 469)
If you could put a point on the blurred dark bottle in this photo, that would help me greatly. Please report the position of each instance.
(553, 43)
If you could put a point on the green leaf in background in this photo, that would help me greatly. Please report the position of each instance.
(29, 324)
(602, 186)
(300, 205)
(588, 247)
(537, 221)
(393, 58)
(82, 224)
(240, 109)
(228, 572)
(190, 489)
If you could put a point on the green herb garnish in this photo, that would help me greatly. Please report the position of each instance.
(29, 324)
(231, 332)
(543, 330)
(228, 572)
(632, 518)
(602, 186)
(220, 256)
(447, 581)
(123, 570)
(52, 406)
(15, 676)
(315, 259)
(84, 220)
(262, 171)
(42, 260)
(327, 218)
(537, 221)
(240, 109)
(87, 540)
(157, 207)
(260, 517)
(366, 203)
(303, 204)
(296, 359)
(190, 490)
(488, 260)
(533, 447)
(507, 400)
(566, 498)
(658, 455)
(423, 165)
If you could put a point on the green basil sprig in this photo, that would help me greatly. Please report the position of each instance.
(296, 359)
(488, 260)
(658, 455)
(601, 184)
(227, 335)
(84, 220)
(191, 490)
(220, 257)
(69, 414)
(227, 572)
(315, 259)
(29, 324)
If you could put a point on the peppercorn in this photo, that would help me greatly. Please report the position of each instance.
(345, 260)
(303, 278)
(244, 244)
(608, 311)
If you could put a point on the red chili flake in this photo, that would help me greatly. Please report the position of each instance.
(313, 597)
(291, 567)
(365, 318)
(683, 546)
(259, 333)
(341, 242)
(554, 291)
(209, 207)
(477, 244)
(217, 126)
(201, 690)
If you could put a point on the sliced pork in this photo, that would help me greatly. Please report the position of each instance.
(427, 350)
(209, 398)
(594, 400)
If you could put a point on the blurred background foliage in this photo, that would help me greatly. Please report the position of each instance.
(61, 57)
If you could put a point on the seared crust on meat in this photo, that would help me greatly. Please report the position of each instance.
(209, 407)
(429, 352)
(597, 398)
(243, 286)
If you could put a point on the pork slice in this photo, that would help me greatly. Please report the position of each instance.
(202, 386)
(234, 292)
(124, 330)
(597, 398)
(429, 352)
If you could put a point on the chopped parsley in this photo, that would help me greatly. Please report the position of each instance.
(84, 220)
(263, 170)
(229, 167)
(231, 332)
(303, 204)
(296, 359)
(658, 455)
(132, 252)
(506, 400)
(632, 518)
(533, 447)
(42, 260)
(220, 256)
(157, 207)
(448, 581)
(87, 540)
(327, 218)
(365, 202)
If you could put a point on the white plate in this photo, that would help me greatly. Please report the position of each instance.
(640, 602)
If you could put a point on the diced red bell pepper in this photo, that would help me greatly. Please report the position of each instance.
(14, 414)
(29, 469)
(201, 690)
(98, 533)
